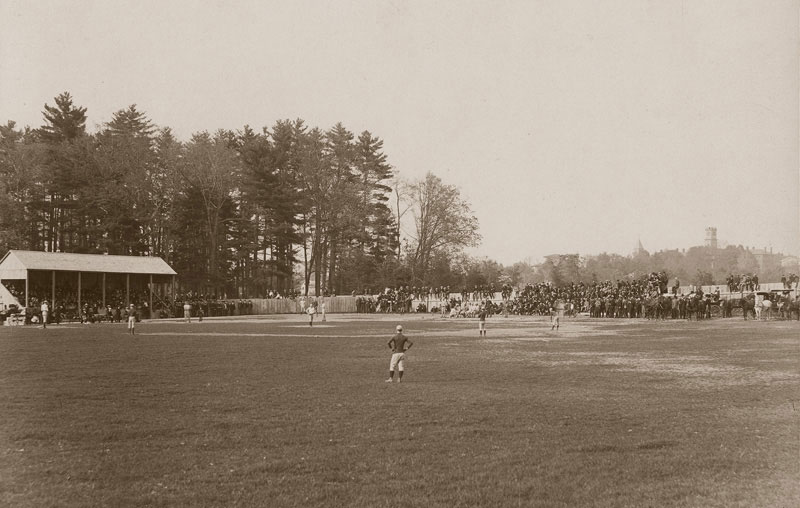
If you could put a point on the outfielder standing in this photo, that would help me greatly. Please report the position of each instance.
(132, 320)
(311, 310)
(399, 344)
(45, 312)
(558, 312)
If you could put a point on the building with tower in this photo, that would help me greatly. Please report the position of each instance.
(711, 237)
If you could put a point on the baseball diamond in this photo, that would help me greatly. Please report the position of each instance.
(381, 253)
(239, 410)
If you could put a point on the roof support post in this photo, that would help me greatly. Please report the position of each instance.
(53, 292)
(79, 293)
(27, 302)
(127, 290)
(151, 296)
(104, 290)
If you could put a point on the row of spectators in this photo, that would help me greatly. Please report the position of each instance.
(400, 300)
(91, 308)
(277, 295)
(790, 281)
(625, 298)
(476, 293)
(88, 313)
(67, 306)
(742, 282)
(749, 282)
(390, 301)
(540, 298)
(455, 308)
(207, 305)
(417, 293)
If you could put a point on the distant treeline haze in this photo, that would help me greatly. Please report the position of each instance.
(239, 213)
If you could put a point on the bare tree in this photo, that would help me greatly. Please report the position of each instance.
(443, 223)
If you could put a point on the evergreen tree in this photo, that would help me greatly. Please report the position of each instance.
(20, 187)
(210, 169)
(64, 121)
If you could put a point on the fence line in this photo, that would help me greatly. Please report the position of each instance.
(333, 305)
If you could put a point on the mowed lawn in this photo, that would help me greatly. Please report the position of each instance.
(269, 412)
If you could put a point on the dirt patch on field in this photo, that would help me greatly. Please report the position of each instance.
(685, 369)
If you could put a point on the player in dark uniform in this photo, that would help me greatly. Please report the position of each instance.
(399, 344)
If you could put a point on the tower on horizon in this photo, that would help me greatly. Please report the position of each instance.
(711, 237)
(639, 249)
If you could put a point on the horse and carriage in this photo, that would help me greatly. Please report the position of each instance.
(766, 304)
(775, 303)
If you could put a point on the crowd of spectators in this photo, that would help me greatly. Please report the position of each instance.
(623, 298)
(416, 293)
(117, 306)
(397, 300)
(277, 295)
(580, 297)
(206, 305)
(90, 308)
(400, 299)
(742, 282)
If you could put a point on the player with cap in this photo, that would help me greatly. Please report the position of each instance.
(45, 311)
(399, 344)
(132, 320)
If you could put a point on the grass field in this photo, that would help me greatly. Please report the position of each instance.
(270, 412)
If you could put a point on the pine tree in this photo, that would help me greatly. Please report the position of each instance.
(64, 121)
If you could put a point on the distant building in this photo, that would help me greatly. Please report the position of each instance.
(790, 262)
(761, 257)
(711, 237)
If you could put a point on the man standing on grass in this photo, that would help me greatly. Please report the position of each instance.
(482, 321)
(557, 313)
(399, 344)
(311, 311)
(132, 320)
(45, 311)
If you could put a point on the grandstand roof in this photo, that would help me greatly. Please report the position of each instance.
(16, 262)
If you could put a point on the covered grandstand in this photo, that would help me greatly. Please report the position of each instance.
(71, 280)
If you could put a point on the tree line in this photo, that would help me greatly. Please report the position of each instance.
(289, 207)
(698, 265)
(233, 212)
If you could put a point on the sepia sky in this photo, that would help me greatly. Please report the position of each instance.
(570, 126)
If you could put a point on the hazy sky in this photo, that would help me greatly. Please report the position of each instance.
(571, 126)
